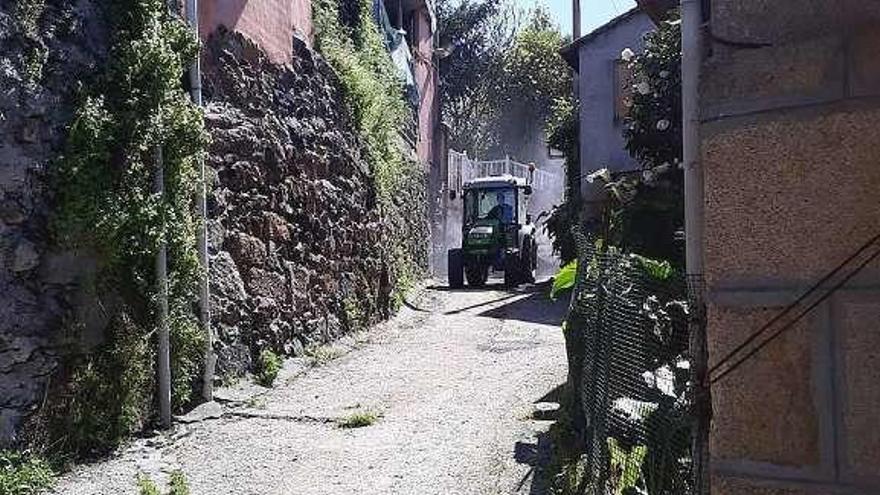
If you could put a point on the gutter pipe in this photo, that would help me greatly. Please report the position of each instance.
(195, 84)
(694, 200)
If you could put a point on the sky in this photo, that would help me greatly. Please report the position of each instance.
(594, 13)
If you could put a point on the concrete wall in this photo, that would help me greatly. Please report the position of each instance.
(271, 24)
(601, 138)
(790, 147)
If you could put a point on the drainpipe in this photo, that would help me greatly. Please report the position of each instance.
(161, 269)
(691, 60)
(195, 84)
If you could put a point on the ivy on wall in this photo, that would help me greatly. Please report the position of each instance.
(106, 208)
(349, 38)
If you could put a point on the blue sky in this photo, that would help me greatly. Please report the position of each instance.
(594, 13)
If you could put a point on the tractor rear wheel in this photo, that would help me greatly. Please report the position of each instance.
(476, 274)
(455, 268)
(529, 260)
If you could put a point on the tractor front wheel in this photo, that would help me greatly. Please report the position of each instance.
(476, 274)
(512, 271)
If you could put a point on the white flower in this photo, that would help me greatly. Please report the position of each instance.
(626, 55)
(643, 88)
(664, 74)
(662, 168)
(602, 173)
(662, 124)
(665, 380)
(648, 176)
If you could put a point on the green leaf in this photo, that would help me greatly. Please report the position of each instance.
(564, 279)
(661, 270)
(626, 466)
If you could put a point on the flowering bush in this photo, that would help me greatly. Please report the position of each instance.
(653, 125)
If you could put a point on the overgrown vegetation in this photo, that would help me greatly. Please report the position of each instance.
(640, 434)
(107, 209)
(22, 473)
(349, 38)
(27, 14)
(268, 366)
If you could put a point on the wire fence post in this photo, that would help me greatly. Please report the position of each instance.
(701, 399)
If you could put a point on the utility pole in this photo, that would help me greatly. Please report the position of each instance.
(575, 19)
(161, 267)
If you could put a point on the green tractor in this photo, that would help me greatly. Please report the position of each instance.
(497, 233)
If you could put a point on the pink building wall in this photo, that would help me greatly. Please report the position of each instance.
(426, 81)
(271, 24)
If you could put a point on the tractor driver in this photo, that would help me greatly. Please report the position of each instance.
(502, 211)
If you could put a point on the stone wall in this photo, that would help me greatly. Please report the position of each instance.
(301, 251)
(789, 146)
(43, 52)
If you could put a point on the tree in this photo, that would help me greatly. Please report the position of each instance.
(502, 77)
(533, 78)
(477, 33)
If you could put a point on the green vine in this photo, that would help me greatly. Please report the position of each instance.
(349, 38)
(107, 208)
(351, 42)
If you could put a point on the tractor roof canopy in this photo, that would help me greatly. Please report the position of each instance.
(506, 180)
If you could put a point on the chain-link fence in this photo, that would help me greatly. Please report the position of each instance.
(627, 342)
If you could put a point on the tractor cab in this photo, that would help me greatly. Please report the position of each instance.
(497, 233)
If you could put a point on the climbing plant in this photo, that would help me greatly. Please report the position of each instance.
(348, 36)
(107, 208)
(350, 39)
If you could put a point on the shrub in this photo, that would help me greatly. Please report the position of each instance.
(268, 366)
(23, 474)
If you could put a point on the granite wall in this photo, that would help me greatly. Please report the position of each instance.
(791, 121)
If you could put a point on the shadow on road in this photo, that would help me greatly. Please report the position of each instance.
(536, 308)
(539, 455)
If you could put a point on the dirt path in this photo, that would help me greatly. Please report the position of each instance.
(453, 378)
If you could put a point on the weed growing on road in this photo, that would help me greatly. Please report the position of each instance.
(268, 366)
(147, 486)
(323, 354)
(177, 484)
(23, 474)
(359, 419)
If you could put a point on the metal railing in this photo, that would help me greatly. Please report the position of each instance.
(462, 169)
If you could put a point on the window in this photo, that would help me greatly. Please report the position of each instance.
(623, 89)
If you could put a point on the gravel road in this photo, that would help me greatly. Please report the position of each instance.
(453, 380)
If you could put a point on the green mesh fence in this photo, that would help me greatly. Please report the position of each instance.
(627, 335)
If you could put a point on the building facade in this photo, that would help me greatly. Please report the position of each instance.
(603, 88)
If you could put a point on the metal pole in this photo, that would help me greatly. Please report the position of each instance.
(161, 266)
(575, 19)
(692, 50)
(195, 83)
